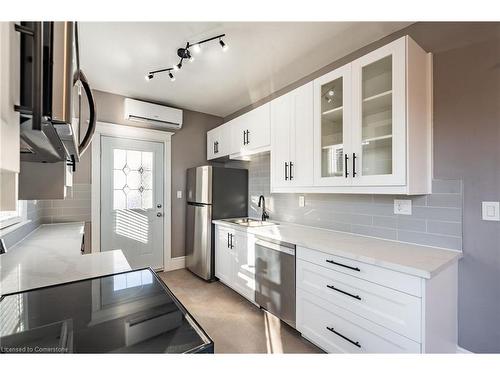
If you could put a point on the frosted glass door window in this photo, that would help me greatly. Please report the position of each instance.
(132, 179)
(332, 135)
(377, 129)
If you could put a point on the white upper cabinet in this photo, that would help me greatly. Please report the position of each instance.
(245, 135)
(332, 128)
(251, 132)
(9, 119)
(292, 139)
(365, 127)
(219, 142)
(372, 123)
(379, 116)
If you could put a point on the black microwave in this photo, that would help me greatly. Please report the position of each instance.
(57, 109)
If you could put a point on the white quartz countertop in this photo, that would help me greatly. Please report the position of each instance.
(51, 255)
(417, 260)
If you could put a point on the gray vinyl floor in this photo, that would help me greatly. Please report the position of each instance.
(235, 324)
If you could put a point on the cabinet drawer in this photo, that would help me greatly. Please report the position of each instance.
(397, 311)
(338, 331)
(379, 275)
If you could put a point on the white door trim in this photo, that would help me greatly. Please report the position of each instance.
(124, 131)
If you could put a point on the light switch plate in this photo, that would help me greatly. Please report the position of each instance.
(179, 194)
(491, 211)
(402, 206)
(302, 201)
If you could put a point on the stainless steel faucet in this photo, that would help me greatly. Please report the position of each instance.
(262, 203)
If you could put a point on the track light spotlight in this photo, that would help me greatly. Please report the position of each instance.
(223, 45)
(149, 77)
(172, 78)
(196, 48)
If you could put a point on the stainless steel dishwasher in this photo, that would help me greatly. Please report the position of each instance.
(275, 279)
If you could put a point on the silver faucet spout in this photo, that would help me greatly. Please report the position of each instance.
(262, 203)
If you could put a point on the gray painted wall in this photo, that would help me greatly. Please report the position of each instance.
(189, 149)
(466, 147)
(436, 219)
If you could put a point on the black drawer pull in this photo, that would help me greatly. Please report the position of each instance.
(343, 265)
(341, 291)
(345, 338)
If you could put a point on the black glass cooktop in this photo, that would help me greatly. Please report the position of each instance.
(130, 312)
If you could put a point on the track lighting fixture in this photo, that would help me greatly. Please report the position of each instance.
(185, 54)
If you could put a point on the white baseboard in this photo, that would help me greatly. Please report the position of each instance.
(461, 350)
(175, 264)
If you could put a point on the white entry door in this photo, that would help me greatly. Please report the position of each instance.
(132, 200)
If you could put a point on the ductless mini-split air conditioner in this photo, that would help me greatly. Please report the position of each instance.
(153, 114)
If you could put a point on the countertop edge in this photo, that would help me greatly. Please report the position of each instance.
(369, 260)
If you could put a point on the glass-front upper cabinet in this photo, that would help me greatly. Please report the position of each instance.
(332, 115)
(379, 117)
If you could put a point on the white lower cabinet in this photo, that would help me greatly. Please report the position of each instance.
(336, 330)
(390, 308)
(235, 260)
(348, 306)
(224, 255)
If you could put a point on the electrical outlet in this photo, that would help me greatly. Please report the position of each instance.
(302, 201)
(179, 194)
(402, 206)
(491, 211)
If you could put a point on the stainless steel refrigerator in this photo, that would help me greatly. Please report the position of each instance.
(212, 193)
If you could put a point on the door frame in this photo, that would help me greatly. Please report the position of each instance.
(142, 134)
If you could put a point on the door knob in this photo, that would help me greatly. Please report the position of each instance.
(158, 205)
(159, 214)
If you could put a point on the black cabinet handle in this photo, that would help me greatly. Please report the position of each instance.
(353, 164)
(346, 158)
(244, 137)
(341, 291)
(345, 338)
(231, 243)
(248, 136)
(228, 240)
(291, 175)
(286, 171)
(343, 265)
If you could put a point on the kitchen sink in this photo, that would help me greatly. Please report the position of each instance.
(247, 222)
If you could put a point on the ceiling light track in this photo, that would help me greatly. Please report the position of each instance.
(185, 54)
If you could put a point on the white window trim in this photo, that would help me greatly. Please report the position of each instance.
(21, 214)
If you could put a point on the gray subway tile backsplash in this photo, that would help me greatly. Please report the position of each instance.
(436, 219)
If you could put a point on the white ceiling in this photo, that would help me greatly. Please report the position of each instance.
(262, 58)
